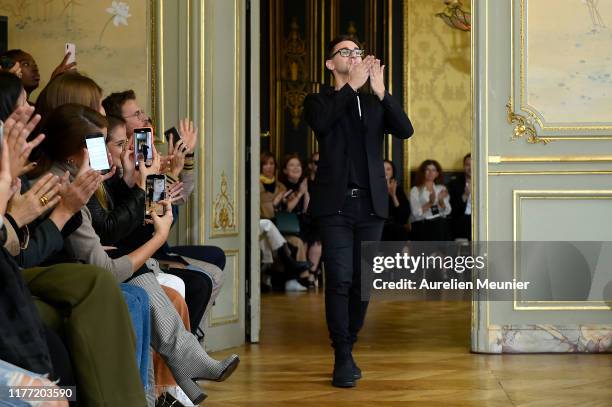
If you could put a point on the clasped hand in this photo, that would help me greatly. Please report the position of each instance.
(370, 67)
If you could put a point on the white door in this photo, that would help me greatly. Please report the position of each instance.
(220, 205)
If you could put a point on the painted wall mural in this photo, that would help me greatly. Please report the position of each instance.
(111, 37)
(568, 59)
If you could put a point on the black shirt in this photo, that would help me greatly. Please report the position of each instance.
(358, 160)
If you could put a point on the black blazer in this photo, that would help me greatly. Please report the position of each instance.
(455, 189)
(329, 115)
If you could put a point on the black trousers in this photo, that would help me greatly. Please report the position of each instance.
(341, 237)
(198, 289)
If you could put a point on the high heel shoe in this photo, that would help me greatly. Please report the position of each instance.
(193, 391)
(229, 365)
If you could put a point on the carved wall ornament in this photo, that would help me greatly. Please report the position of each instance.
(224, 216)
(294, 73)
(524, 126)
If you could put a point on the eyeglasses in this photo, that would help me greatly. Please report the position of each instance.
(138, 113)
(346, 52)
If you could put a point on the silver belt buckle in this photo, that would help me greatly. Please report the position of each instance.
(354, 193)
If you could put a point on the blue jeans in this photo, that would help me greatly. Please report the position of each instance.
(137, 301)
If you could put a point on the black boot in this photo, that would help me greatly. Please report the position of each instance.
(343, 369)
(356, 370)
(290, 263)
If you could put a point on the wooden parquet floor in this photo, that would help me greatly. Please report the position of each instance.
(411, 354)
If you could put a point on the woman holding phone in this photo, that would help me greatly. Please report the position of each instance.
(65, 128)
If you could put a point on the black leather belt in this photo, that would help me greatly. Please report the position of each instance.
(357, 192)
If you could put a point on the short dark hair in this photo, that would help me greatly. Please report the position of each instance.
(114, 102)
(338, 40)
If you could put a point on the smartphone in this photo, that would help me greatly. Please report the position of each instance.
(143, 144)
(70, 47)
(156, 191)
(98, 156)
(172, 132)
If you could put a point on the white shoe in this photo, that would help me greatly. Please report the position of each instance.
(294, 285)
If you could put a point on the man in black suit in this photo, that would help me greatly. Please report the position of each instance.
(349, 198)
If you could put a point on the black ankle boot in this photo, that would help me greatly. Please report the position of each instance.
(356, 370)
(290, 263)
(343, 369)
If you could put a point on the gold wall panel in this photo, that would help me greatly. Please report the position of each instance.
(222, 121)
(575, 88)
(225, 311)
(519, 197)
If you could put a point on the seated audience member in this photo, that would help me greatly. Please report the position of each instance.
(30, 77)
(272, 193)
(271, 243)
(429, 204)
(297, 202)
(195, 264)
(396, 227)
(73, 87)
(65, 130)
(461, 201)
(118, 212)
(97, 317)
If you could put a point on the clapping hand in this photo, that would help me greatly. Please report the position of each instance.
(377, 78)
(359, 72)
(17, 129)
(189, 135)
(7, 187)
(441, 196)
(41, 197)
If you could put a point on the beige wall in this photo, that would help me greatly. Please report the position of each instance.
(437, 86)
(116, 57)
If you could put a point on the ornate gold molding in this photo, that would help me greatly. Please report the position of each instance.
(224, 215)
(519, 196)
(524, 126)
(234, 294)
(498, 159)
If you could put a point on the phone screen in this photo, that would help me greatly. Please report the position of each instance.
(72, 49)
(143, 144)
(156, 191)
(98, 157)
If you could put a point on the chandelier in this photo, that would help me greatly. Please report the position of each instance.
(455, 17)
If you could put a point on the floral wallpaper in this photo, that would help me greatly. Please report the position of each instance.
(437, 86)
(111, 38)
